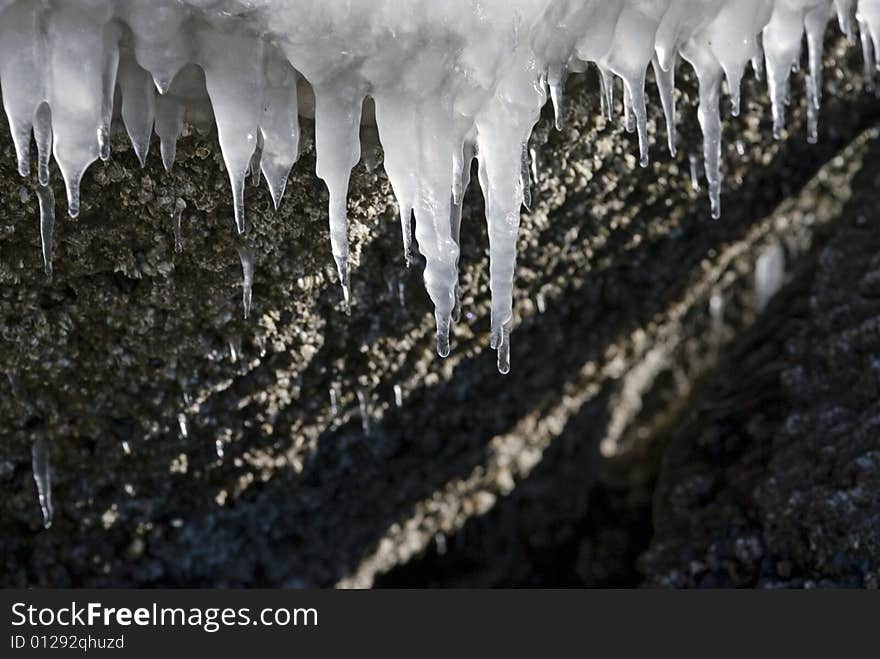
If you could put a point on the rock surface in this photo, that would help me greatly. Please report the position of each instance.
(189, 446)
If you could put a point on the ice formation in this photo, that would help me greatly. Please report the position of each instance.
(451, 81)
(43, 478)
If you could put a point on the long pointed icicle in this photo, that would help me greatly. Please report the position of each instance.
(666, 88)
(815, 23)
(46, 200)
(462, 181)
(233, 68)
(338, 146)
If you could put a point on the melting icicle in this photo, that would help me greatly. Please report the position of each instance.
(666, 87)
(43, 478)
(246, 256)
(337, 118)
(46, 199)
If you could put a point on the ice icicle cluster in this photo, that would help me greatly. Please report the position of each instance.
(449, 83)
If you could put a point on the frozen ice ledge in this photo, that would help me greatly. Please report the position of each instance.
(451, 81)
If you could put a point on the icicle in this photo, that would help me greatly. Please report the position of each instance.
(109, 70)
(279, 125)
(43, 478)
(233, 66)
(695, 172)
(635, 91)
(46, 199)
(606, 82)
(160, 45)
(176, 217)
(337, 119)
(758, 59)
(500, 161)
(845, 12)
(709, 73)
(398, 396)
(710, 121)
(169, 124)
(234, 348)
(406, 232)
(867, 54)
(815, 23)
(184, 428)
(364, 408)
(629, 119)
(22, 36)
(556, 83)
(420, 145)
(138, 105)
(218, 448)
(246, 255)
(461, 180)
(79, 68)
(254, 166)
(334, 401)
(782, 48)
(43, 138)
(666, 87)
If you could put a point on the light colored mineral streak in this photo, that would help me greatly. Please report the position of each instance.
(447, 79)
